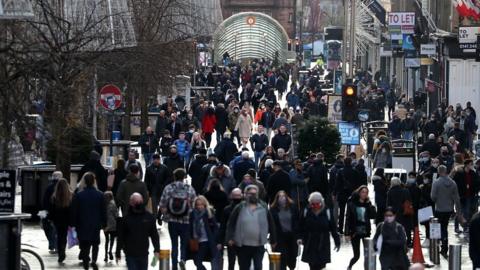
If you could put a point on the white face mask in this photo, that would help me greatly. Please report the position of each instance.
(411, 180)
(384, 150)
(389, 219)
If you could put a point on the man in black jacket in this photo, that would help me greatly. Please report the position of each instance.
(222, 120)
(431, 146)
(134, 232)
(268, 118)
(282, 139)
(236, 197)
(278, 180)
(94, 165)
(174, 126)
(474, 243)
(226, 149)
(149, 144)
(318, 178)
(344, 185)
(157, 176)
(259, 142)
(195, 170)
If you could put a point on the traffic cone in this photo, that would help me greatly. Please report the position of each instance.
(417, 255)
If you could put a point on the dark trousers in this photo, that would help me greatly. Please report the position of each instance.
(137, 263)
(287, 246)
(356, 250)
(109, 241)
(316, 266)
(208, 138)
(61, 240)
(443, 218)
(85, 247)
(248, 253)
(50, 233)
(342, 202)
(232, 257)
(178, 230)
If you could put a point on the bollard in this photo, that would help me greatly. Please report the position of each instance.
(164, 261)
(369, 253)
(274, 260)
(435, 236)
(455, 257)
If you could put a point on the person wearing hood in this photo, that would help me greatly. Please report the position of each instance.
(94, 165)
(446, 198)
(362, 173)
(226, 149)
(222, 173)
(173, 161)
(217, 197)
(393, 247)
(129, 186)
(134, 232)
(398, 197)
(315, 227)
(357, 222)
(195, 170)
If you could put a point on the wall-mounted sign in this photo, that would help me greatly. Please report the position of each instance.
(467, 38)
(428, 49)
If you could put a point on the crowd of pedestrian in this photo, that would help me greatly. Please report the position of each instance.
(217, 198)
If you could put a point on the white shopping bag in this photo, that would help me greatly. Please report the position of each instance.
(424, 214)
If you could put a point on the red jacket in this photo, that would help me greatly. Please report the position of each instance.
(208, 123)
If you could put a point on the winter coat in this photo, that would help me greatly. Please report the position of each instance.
(395, 128)
(382, 160)
(432, 147)
(174, 128)
(112, 215)
(474, 243)
(127, 187)
(173, 162)
(282, 245)
(317, 175)
(268, 118)
(244, 126)
(97, 168)
(152, 145)
(165, 144)
(218, 199)
(156, 178)
(279, 180)
(346, 182)
(396, 198)
(259, 142)
(380, 189)
(232, 120)
(227, 181)
(281, 141)
(226, 150)
(89, 214)
(445, 195)
(241, 168)
(208, 123)
(357, 220)
(195, 172)
(120, 174)
(161, 125)
(393, 254)
(222, 120)
(212, 230)
(315, 231)
(299, 191)
(460, 180)
(183, 148)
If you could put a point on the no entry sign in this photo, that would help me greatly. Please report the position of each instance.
(110, 97)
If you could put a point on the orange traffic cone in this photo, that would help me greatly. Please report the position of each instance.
(417, 255)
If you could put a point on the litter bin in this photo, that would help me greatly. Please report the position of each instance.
(10, 233)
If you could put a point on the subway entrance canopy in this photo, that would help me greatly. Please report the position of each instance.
(249, 35)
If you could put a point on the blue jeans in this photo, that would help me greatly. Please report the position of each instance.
(258, 156)
(50, 233)
(148, 158)
(408, 135)
(176, 230)
(137, 263)
(246, 254)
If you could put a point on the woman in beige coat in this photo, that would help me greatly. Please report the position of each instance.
(244, 126)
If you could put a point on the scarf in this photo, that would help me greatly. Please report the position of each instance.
(197, 221)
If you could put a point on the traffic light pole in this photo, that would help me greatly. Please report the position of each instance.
(352, 38)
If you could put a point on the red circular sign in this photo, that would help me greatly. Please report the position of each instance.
(110, 97)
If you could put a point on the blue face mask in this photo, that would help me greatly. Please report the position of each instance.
(411, 180)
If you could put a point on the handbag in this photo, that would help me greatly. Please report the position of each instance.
(193, 245)
(408, 208)
(72, 239)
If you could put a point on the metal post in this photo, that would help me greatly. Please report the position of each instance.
(164, 263)
(352, 37)
(369, 253)
(455, 257)
(274, 260)
(112, 120)
(433, 248)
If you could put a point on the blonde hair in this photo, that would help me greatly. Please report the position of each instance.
(205, 202)
(81, 185)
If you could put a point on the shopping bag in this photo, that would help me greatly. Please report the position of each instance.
(424, 214)
(72, 239)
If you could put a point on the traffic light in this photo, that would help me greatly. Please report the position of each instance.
(349, 103)
(297, 46)
(289, 45)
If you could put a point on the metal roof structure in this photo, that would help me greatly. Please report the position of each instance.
(249, 35)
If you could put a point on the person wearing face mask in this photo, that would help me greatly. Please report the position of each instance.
(249, 179)
(390, 237)
(431, 146)
(415, 194)
(285, 215)
(383, 157)
(249, 241)
(217, 197)
(236, 197)
(130, 185)
(398, 197)
(244, 126)
(445, 158)
(468, 184)
(315, 227)
(408, 127)
(357, 222)
(426, 201)
(134, 232)
(232, 122)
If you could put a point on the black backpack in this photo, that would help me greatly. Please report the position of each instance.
(179, 203)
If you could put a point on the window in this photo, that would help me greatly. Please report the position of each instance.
(290, 17)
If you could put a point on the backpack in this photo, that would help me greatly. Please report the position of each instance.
(178, 204)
